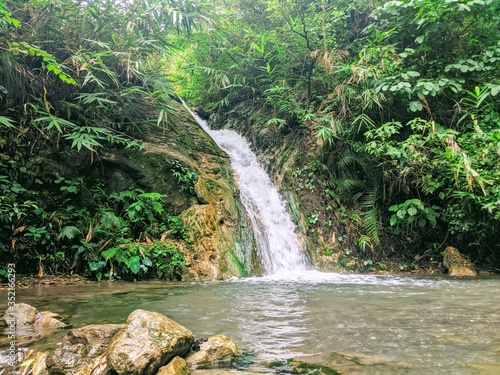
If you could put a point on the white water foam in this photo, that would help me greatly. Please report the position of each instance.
(273, 228)
(318, 277)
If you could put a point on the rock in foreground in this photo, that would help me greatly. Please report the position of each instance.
(80, 346)
(176, 366)
(149, 341)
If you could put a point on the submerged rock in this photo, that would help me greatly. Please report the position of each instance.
(32, 324)
(47, 320)
(457, 264)
(25, 315)
(147, 342)
(345, 364)
(176, 366)
(218, 348)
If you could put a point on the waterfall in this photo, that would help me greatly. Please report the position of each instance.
(273, 228)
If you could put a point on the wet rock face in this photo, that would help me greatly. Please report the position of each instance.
(457, 264)
(149, 341)
(67, 358)
(211, 208)
(81, 345)
(218, 348)
(92, 335)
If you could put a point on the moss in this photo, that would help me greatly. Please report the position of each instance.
(242, 272)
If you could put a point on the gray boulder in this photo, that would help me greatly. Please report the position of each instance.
(96, 366)
(67, 359)
(95, 336)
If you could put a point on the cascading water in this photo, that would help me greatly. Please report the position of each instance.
(273, 228)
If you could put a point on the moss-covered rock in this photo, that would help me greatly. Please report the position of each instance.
(176, 366)
(343, 363)
(210, 207)
(148, 341)
(457, 264)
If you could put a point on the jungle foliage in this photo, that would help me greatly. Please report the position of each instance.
(77, 78)
(403, 94)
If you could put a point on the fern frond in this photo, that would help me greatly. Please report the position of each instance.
(371, 214)
(345, 185)
(69, 232)
(371, 224)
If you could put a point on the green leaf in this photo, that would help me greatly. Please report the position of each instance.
(110, 253)
(147, 262)
(393, 221)
(7, 122)
(134, 264)
(412, 211)
(94, 266)
(494, 90)
(416, 106)
(394, 208)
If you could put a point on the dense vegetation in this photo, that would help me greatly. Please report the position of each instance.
(76, 80)
(402, 95)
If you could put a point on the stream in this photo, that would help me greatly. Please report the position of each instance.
(434, 325)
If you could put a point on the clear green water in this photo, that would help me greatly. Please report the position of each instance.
(440, 326)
